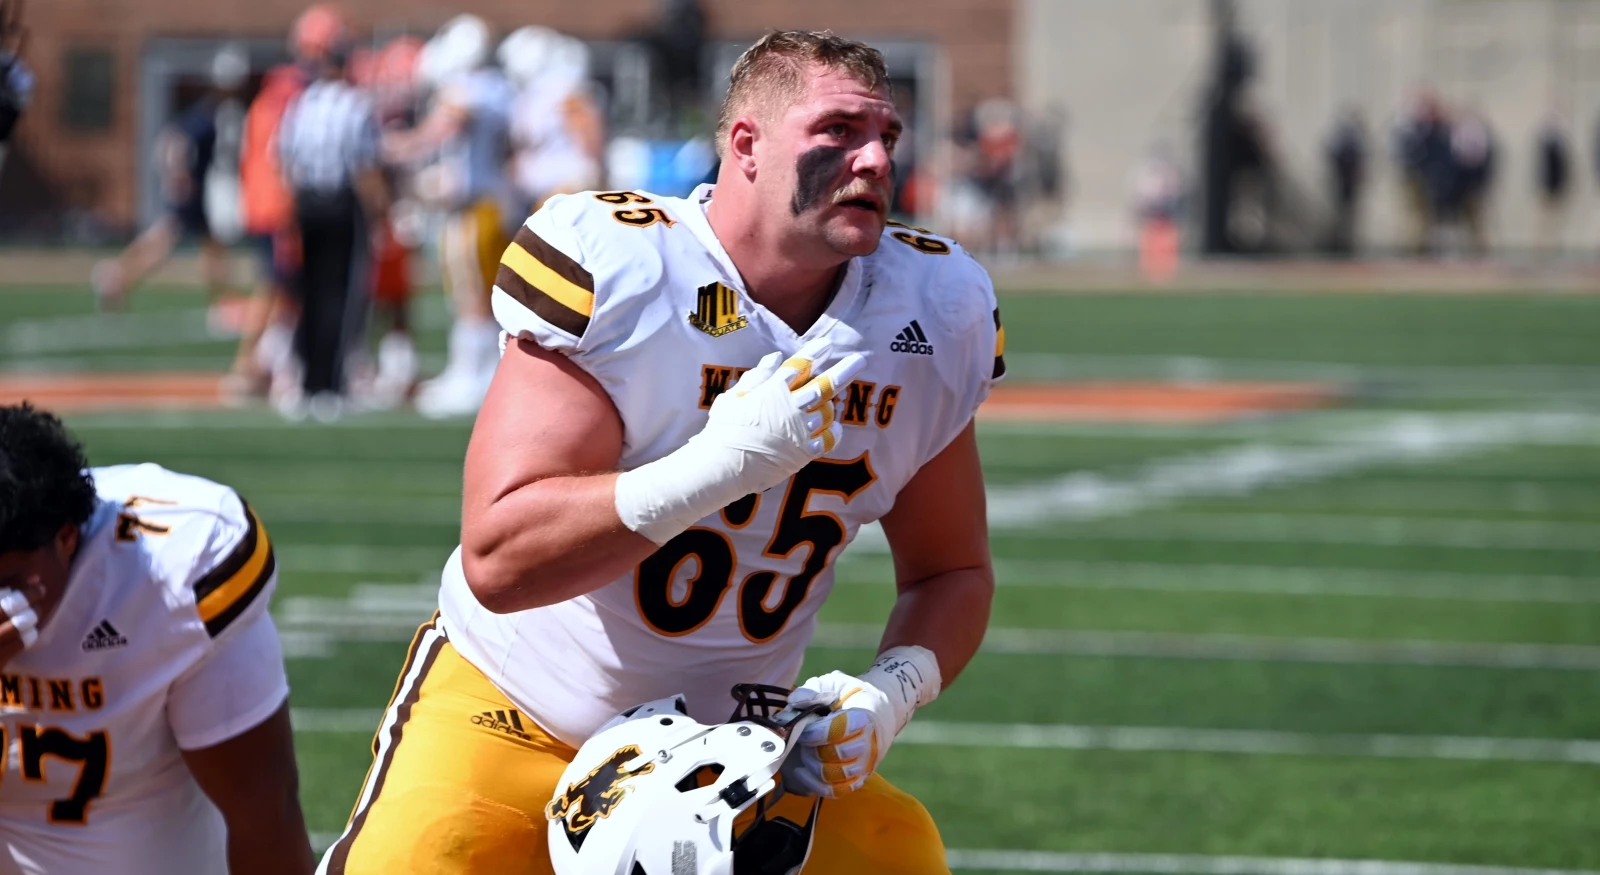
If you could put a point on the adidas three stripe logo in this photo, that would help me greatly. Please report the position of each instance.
(103, 637)
(507, 721)
(912, 340)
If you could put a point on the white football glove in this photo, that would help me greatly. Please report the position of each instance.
(778, 417)
(837, 754)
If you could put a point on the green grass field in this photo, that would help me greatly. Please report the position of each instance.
(1365, 633)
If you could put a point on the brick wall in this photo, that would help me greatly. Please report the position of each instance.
(99, 172)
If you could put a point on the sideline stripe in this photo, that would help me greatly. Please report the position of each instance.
(1167, 739)
(1271, 580)
(1338, 651)
(1247, 741)
(1206, 864)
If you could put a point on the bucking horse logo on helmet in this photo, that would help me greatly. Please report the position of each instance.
(597, 795)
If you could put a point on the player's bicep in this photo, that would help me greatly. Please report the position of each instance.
(543, 417)
(939, 520)
(238, 683)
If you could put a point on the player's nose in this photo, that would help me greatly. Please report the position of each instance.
(872, 160)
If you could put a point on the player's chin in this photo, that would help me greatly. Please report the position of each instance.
(856, 233)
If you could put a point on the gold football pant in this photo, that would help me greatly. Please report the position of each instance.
(460, 780)
(470, 247)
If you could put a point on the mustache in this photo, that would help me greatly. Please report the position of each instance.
(860, 188)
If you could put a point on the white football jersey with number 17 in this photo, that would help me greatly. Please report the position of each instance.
(162, 643)
(636, 290)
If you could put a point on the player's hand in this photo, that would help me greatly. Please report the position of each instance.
(781, 414)
(777, 418)
(837, 754)
(19, 620)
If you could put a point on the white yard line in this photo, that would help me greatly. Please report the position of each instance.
(1247, 741)
(1200, 369)
(103, 331)
(1369, 531)
(1405, 440)
(1208, 864)
(1268, 580)
(1162, 739)
(1005, 641)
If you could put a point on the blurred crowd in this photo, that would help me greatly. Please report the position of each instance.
(344, 163)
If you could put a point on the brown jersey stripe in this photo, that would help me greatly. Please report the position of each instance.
(406, 698)
(543, 305)
(999, 347)
(234, 562)
(243, 600)
(555, 259)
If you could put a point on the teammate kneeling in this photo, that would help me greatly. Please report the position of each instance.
(769, 365)
(142, 692)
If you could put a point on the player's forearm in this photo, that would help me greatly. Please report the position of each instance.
(547, 542)
(947, 614)
(273, 847)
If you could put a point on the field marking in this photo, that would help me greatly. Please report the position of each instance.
(1264, 580)
(102, 331)
(1012, 641)
(1247, 741)
(1404, 440)
(1396, 531)
(1202, 369)
(1141, 738)
(1149, 739)
(312, 626)
(1208, 864)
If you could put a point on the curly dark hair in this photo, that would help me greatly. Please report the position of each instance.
(44, 479)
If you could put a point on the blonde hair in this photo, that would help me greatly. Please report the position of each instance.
(773, 71)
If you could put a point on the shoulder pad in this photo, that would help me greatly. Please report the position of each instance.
(578, 266)
(206, 546)
(956, 286)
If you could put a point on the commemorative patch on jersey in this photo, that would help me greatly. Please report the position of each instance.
(717, 310)
(228, 589)
(547, 281)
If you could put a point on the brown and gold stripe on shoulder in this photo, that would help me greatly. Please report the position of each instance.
(547, 281)
(228, 589)
(999, 347)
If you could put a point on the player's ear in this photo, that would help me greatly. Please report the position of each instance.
(66, 542)
(742, 137)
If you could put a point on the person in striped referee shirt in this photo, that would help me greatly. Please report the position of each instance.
(328, 143)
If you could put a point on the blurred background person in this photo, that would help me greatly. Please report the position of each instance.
(1346, 155)
(266, 338)
(328, 143)
(1159, 194)
(16, 80)
(467, 125)
(557, 128)
(397, 94)
(184, 154)
(1553, 180)
(1421, 142)
(1472, 152)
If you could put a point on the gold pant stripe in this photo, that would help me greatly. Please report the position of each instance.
(425, 648)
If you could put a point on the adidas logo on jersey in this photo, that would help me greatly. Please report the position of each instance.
(912, 340)
(103, 637)
(509, 722)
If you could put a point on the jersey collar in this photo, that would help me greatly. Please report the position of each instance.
(844, 300)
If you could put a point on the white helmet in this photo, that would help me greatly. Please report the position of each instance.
(655, 792)
(461, 46)
(526, 52)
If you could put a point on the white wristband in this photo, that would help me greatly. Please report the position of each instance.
(909, 676)
(660, 499)
(21, 614)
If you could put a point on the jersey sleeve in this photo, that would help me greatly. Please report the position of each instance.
(575, 279)
(235, 573)
(239, 682)
(960, 291)
(543, 291)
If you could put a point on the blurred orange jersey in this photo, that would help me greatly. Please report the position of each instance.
(266, 200)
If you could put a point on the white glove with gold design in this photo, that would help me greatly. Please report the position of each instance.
(837, 754)
(20, 614)
(777, 418)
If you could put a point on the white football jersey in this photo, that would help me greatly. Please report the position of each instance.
(162, 642)
(637, 291)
